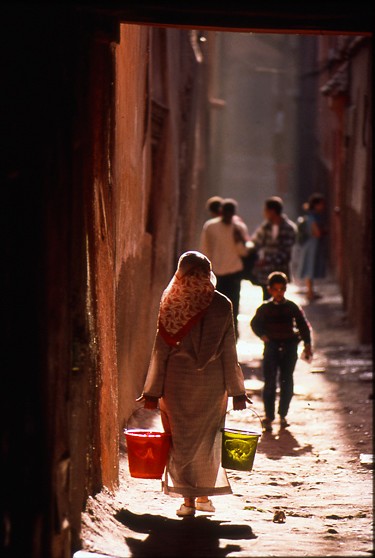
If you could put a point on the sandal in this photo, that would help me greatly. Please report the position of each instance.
(184, 511)
(205, 506)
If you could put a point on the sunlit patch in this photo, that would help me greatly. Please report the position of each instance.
(253, 385)
(246, 350)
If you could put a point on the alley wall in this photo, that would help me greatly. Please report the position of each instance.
(158, 185)
(343, 140)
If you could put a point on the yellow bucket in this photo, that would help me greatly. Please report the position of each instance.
(238, 449)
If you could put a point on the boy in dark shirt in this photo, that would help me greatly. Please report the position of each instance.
(281, 324)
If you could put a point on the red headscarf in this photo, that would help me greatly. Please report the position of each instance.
(187, 297)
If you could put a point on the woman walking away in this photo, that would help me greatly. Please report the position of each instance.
(193, 370)
(312, 263)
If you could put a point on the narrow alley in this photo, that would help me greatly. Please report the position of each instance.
(120, 121)
(315, 471)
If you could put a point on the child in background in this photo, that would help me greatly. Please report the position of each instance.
(281, 324)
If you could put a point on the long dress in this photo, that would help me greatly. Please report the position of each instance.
(312, 263)
(194, 380)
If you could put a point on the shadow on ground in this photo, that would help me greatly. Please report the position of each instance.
(188, 537)
(276, 445)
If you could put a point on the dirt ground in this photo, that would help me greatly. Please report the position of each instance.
(312, 471)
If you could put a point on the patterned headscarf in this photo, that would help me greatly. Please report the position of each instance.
(187, 297)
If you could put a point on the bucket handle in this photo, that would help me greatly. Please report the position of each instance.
(139, 409)
(254, 412)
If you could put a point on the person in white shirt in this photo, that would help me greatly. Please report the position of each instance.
(223, 241)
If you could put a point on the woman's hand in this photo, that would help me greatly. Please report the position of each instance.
(239, 402)
(150, 402)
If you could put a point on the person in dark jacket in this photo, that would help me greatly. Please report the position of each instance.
(281, 324)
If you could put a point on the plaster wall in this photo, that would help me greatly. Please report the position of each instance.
(155, 186)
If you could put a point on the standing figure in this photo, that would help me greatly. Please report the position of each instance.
(273, 240)
(312, 262)
(223, 242)
(193, 370)
(281, 324)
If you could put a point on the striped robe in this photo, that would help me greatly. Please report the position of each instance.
(194, 380)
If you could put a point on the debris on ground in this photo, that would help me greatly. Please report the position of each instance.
(279, 517)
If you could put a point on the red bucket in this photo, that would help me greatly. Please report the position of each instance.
(147, 453)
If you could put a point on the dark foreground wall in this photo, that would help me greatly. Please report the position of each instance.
(52, 433)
